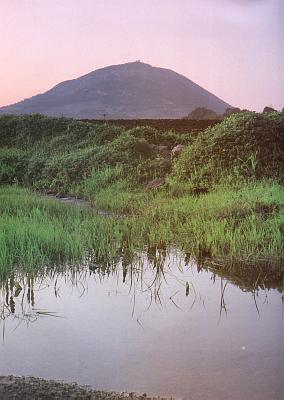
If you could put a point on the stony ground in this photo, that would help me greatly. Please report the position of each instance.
(29, 388)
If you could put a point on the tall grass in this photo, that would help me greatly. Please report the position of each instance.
(36, 231)
(242, 223)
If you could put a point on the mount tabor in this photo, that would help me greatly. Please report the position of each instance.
(131, 90)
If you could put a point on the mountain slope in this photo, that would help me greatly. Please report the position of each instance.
(131, 90)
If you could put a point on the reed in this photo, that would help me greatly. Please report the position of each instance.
(39, 231)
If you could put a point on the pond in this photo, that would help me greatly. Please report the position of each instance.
(162, 326)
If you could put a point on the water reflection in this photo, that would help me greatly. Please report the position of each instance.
(149, 274)
(155, 321)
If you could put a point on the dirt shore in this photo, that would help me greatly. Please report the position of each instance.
(30, 388)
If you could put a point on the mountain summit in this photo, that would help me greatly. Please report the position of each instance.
(131, 90)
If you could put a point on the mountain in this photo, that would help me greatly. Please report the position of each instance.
(131, 90)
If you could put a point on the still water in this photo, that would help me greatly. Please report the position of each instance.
(169, 329)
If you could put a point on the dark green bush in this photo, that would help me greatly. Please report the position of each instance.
(246, 145)
(148, 170)
(155, 136)
(25, 130)
(13, 165)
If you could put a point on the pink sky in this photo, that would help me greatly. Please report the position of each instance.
(233, 48)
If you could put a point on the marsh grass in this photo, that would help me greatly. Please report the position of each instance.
(243, 223)
(37, 231)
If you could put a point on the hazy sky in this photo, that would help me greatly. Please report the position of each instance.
(233, 48)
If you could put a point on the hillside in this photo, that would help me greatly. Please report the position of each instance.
(131, 90)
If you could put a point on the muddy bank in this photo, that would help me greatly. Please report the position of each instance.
(70, 200)
(85, 204)
(30, 388)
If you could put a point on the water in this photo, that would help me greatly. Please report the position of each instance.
(135, 329)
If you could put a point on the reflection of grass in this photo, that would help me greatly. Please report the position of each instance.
(161, 276)
(19, 291)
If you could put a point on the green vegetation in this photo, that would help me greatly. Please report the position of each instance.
(34, 230)
(244, 146)
(222, 198)
(37, 232)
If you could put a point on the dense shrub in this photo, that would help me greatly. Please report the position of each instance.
(13, 165)
(26, 129)
(60, 153)
(245, 145)
(148, 170)
(155, 136)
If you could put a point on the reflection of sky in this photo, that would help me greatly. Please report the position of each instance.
(233, 48)
(110, 339)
